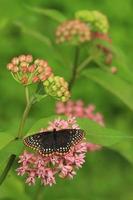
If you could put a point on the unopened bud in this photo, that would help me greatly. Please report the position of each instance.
(95, 19)
(114, 70)
(54, 86)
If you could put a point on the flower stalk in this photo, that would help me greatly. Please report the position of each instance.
(29, 103)
(27, 94)
(7, 168)
(84, 64)
(75, 66)
(26, 112)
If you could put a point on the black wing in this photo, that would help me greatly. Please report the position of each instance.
(42, 142)
(54, 142)
(66, 138)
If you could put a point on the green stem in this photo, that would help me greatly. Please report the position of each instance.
(84, 63)
(22, 122)
(26, 112)
(74, 71)
(30, 102)
(7, 168)
(20, 130)
(101, 65)
(27, 95)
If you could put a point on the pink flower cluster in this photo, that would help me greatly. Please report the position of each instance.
(73, 30)
(34, 166)
(78, 109)
(27, 71)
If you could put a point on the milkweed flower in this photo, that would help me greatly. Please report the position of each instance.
(78, 109)
(47, 168)
(73, 31)
(26, 71)
(57, 87)
(99, 26)
(96, 20)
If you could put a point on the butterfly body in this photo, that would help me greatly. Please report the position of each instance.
(54, 142)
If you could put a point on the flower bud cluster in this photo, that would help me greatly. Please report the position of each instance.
(27, 71)
(96, 20)
(73, 31)
(57, 87)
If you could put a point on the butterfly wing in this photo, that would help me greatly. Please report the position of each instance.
(42, 142)
(54, 142)
(67, 138)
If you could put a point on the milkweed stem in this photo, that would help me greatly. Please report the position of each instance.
(74, 71)
(7, 168)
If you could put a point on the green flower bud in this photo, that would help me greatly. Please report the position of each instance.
(59, 94)
(62, 89)
(95, 19)
(46, 83)
(57, 87)
(54, 88)
(63, 99)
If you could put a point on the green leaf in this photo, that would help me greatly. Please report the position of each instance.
(5, 138)
(94, 132)
(14, 186)
(33, 33)
(125, 149)
(3, 23)
(14, 9)
(112, 83)
(7, 168)
(51, 13)
(113, 139)
(100, 135)
(14, 147)
(42, 123)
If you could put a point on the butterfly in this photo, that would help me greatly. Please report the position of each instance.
(56, 142)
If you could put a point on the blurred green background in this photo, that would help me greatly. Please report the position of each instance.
(106, 175)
